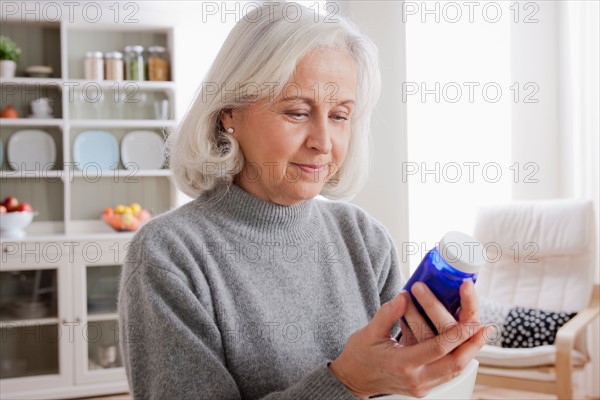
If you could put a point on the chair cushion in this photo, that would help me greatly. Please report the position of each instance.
(540, 254)
(521, 327)
(524, 358)
(556, 227)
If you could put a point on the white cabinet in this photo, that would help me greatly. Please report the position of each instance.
(67, 344)
(58, 286)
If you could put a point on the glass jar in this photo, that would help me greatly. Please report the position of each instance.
(135, 64)
(93, 66)
(158, 64)
(114, 65)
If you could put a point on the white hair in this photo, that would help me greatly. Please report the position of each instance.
(262, 50)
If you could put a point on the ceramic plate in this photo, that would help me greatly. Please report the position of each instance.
(96, 149)
(142, 150)
(31, 150)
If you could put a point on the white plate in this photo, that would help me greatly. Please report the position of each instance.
(142, 150)
(31, 150)
(96, 148)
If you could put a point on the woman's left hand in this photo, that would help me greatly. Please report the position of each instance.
(372, 362)
(417, 330)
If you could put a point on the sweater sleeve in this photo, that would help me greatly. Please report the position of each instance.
(172, 347)
(391, 284)
(390, 281)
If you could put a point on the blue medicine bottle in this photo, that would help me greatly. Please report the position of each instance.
(457, 257)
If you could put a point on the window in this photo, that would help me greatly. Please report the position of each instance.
(458, 95)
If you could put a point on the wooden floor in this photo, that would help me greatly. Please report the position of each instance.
(492, 393)
(480, 393)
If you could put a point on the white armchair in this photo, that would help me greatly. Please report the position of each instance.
(542, 255)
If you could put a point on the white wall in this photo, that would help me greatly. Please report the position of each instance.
(385, 196)
(535, 128)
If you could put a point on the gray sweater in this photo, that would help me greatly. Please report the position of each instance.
(233, 297)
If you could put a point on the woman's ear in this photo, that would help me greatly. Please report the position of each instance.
(226, 117)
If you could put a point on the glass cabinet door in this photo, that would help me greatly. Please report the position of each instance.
(102, 283)
(29, 324)
(100, 356)
(35, 352)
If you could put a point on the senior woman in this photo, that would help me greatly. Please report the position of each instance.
(256, 289)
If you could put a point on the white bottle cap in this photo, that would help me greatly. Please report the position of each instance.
(462, 252)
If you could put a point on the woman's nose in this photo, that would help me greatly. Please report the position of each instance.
(319, 137)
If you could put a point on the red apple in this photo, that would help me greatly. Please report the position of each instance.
(11, 204)
(25, 206)
(2, 209)
(116, 222)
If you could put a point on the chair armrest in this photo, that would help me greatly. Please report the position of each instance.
(565, 343)
(569, 331)
(566, 335)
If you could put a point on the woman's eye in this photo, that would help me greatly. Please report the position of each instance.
(297, 115)
(340, 117)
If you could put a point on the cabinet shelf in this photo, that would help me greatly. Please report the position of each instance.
(37, 175)
(25, 81)
(123, 123)
(80, 83)
(67, 174)
(96, 229)
(124, 173)
(89, 235)
(102, 317)
(114, 85)
(26, 122)
(14, 323)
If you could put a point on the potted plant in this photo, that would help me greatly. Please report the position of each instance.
(9, 56)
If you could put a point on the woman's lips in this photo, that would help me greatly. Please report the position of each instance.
(310, 168)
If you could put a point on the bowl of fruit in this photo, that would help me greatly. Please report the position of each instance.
(126, 218)
(14, 218)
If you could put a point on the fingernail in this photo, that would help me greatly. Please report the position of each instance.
(470, 286)
(417, 288)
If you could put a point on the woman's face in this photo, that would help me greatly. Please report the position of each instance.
(294, 143)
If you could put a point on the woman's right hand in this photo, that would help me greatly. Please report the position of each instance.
(373, 362)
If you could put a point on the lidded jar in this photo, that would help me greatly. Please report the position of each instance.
(135, 65)
(114, 65)
(93, 66)
(444, 268)
(158, 64)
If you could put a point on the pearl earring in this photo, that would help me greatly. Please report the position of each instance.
(230, 130)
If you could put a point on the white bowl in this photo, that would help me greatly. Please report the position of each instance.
(12, 223)
(458, 388)
(30, 311)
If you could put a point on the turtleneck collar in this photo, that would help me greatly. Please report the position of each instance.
(260, 220)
